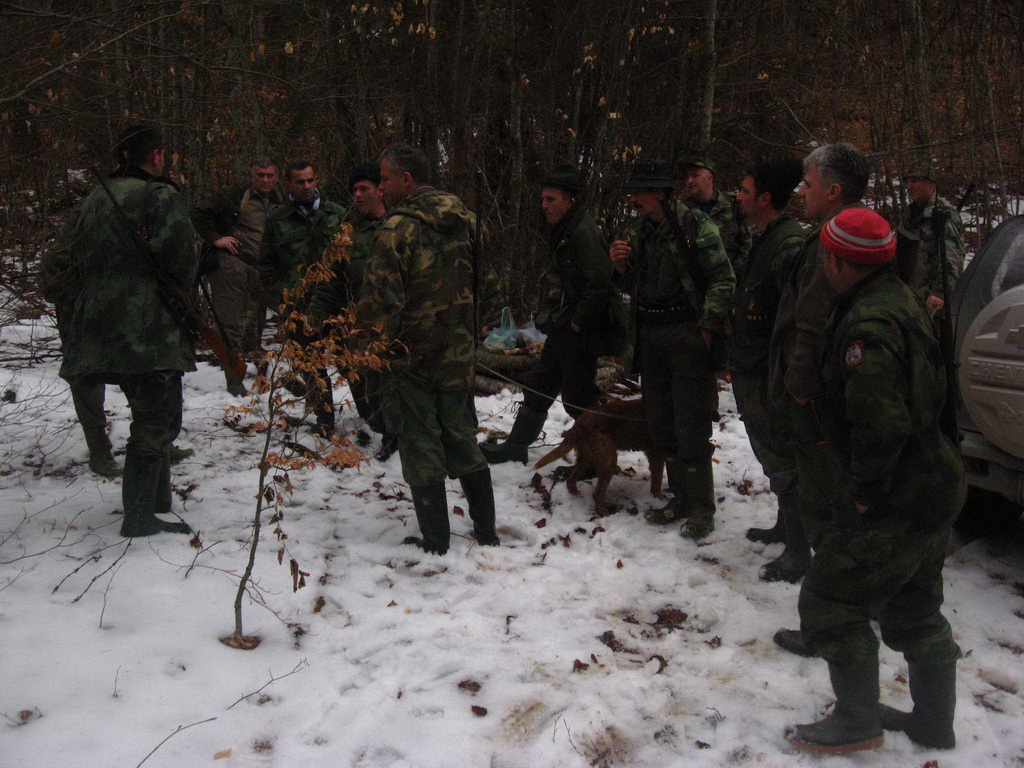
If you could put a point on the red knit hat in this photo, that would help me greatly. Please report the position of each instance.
(859, 235)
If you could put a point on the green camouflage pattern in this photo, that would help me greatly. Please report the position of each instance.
(759, 286)
(736, 236)
(343, 289)
(113, 321)
(418, 284)
(293, 241)
(659, 272)
(884, 386)
(920, 221)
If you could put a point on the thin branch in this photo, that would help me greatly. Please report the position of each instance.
(298, 668)
(176, 732)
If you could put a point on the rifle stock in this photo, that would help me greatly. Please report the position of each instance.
(175, 299)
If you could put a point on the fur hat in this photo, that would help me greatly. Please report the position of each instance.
(366, 172)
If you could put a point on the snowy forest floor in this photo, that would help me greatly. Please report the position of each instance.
(581, 641)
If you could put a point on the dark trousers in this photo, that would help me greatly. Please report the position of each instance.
(567, 366)
(680, 389)
(866, 569)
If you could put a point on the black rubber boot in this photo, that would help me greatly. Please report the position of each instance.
(792, 640)
(772, 535)
(676, 508)
(854, 724)
(180, 454)
(795, 559)
(699, 500)
(431, 504)
(101, 460)
(146, 490)
(527, 427)
(480, 499)
(933, 690)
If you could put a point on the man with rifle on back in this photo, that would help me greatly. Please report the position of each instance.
(134, 263)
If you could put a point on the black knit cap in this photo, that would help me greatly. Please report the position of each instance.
(565, 176)
(651, 173)
(365, 172)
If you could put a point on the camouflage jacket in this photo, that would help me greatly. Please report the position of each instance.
(113, 320)
(343, 290)
(928, 276)
(884, 386)
(758, 289)
(736, 236)
(418, 287)
(293, 241)
(577, 284)
(217, 215)
(661, 269)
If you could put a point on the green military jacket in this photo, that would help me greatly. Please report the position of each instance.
(577, 285)
(418, 288)
(794, 354)
(735, 234)
(343, 290)
(293, 241)
(113, 320)
(884, 386)
(681, 262)
(920, 221)
(758, 290)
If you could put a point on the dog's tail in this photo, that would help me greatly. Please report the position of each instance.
(568, 443)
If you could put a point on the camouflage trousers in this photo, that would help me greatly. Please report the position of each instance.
(155, 401)
(868, 570)
(436, 430)
(680, 389)
(238, 301)
(769, 430)
(567, 366)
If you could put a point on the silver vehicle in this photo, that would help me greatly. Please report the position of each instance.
(988, 312)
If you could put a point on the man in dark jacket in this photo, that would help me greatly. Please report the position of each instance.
(580, 312)
(342, 292)
(231, 224)
(418, 295)
(120, 331)
(835, 178)
(763, 194)
(901, 486)
(298, 234)
(676, 268)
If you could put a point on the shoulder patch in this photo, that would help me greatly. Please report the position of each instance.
(854, 356)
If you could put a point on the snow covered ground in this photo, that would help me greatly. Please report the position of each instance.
(579, 642)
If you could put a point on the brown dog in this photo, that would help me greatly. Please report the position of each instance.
(597, 436)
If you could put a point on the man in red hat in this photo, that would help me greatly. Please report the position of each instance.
(900, 487)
